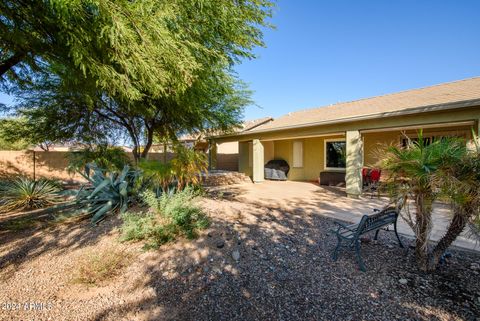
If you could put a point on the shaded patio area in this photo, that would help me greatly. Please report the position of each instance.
(310, 198)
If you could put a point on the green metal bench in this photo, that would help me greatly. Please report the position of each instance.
(349, 235)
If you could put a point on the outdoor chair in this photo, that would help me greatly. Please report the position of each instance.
(348, 236)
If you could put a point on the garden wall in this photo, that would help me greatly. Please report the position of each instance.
(51, 164)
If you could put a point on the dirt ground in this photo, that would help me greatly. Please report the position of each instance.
(253, 263)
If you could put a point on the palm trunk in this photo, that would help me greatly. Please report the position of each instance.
(457, 225)
(423, 223)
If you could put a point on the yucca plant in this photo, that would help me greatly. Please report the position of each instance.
(23, 193)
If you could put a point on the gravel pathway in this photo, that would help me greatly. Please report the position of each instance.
(253, 263)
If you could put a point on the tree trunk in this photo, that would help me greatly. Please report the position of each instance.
(458, 223)
(148, 143)
(135, 152)
(10, 63)
(423, 222)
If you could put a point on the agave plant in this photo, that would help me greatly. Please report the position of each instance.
(107, 192)
(23, 193)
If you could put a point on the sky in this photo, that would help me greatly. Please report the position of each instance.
(324, 52)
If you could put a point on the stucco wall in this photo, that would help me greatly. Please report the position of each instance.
(375, 143)
(50, 164)
(313, 157)
(227, 156)
(243, 156)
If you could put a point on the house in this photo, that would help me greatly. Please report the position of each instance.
(345, 137)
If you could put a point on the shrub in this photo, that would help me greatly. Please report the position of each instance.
(95, 267)
(170, 215)
(23, 193)
(107, 192)
(188, 165)
(161, 175)
(108, 158)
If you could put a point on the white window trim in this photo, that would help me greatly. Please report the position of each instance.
(325, 141)
(293, 153)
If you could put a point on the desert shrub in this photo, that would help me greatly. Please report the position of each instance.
(160, 175)
(108, 158)
(23, 193)
(188, 166)
(95, 267)
(171, 215)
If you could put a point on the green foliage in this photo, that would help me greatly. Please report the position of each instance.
(188, 166)
(162, 175)
(108, 158)
(90, 70)
(107, 192)
(427, 172)
(23, 193)
(184, 169)
(9, 140)
(170, 215)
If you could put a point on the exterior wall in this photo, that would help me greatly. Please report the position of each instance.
(313, 157)
(227, 156)
(50, 164)
(313, 147)
(243, 158)
(374, 143)
(269, 148)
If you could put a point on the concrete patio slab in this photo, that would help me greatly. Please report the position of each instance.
(310, 198)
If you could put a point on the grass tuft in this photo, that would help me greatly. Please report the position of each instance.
(94, 268)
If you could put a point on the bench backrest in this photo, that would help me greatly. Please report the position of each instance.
(375, 221)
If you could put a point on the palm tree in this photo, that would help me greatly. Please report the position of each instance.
(424, 172)
(460, 182)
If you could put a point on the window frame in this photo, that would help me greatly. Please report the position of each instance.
(329, 140)
(293, 153)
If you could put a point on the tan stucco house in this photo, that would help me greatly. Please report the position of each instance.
(345, 137)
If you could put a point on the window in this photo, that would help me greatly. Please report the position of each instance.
(297, 154)
(335, 151)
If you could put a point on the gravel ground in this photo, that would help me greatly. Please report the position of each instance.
(253, 263)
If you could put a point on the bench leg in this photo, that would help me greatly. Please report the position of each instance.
(359, 257)
(337, 248)
(376, 235)
(398, 237)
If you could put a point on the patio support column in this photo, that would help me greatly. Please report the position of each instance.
(258, 161)
(212, 155)
(354, 163)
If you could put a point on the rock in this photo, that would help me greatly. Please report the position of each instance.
(475, 266)
(236, 255)
(403, 281)
(220, 244)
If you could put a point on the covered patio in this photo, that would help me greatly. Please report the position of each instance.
(305, 198)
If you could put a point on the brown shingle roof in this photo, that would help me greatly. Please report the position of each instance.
(446, 93)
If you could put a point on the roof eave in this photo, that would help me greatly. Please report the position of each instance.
(410, 111)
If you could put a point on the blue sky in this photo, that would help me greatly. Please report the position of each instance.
(323, 52)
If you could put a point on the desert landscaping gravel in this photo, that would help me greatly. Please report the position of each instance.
(252, 263)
